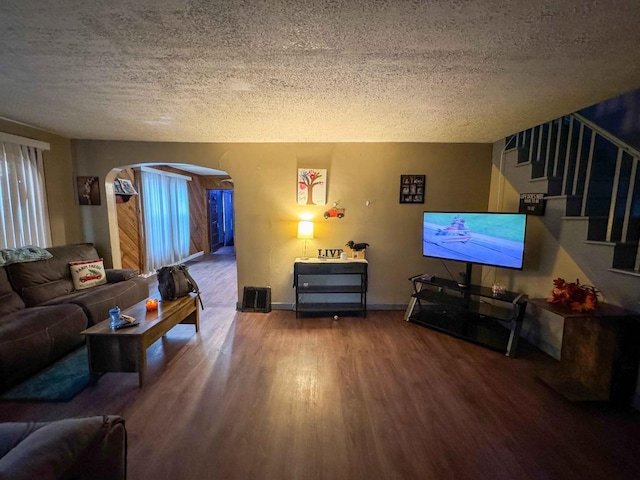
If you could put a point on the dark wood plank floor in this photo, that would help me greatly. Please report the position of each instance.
(269, 396)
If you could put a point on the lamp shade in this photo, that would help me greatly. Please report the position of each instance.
(305, 229)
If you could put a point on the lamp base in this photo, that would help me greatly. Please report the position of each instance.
(305, 256)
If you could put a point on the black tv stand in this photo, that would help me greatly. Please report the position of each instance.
(473, 313)
(465, 277)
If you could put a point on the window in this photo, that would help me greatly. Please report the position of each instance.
(165, 203)
(23, 199)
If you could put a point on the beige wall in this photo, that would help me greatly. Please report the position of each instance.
(59, 176)
(266, 213)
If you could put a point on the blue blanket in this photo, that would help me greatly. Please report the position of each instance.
(23, 254)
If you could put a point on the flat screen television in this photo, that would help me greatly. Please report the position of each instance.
(495, 239)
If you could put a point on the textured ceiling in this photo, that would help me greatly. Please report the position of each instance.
(301, 71)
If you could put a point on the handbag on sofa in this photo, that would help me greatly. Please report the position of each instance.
(175, 281)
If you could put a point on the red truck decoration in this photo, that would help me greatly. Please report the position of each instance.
(91, 275)
(334, 212)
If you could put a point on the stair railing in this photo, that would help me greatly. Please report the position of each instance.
(562, 151)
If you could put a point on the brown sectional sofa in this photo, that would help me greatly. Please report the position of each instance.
(42, 315)
(92, 448)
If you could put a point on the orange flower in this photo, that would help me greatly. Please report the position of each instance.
(580, 298)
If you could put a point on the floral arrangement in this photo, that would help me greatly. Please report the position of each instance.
(577, 297)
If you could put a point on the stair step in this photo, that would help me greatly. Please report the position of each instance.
(597, 228)
(625, 271)
(554, 187)
(523, 155)
(624, 256)
(574, 206)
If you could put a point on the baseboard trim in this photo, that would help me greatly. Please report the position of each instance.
(190, 257)
(387, 306)
(274, 306)
(282, 306)
(373, 306)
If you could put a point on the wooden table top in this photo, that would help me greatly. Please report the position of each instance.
(602, 310)
(147, 320)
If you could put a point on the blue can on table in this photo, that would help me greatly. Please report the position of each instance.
(114, 315)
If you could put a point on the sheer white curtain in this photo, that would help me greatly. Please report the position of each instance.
(165, 202)
(23, 199)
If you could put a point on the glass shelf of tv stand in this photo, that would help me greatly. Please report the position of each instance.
(476, 290)
(473, 312)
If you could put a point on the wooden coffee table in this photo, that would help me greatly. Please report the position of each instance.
(125, 350)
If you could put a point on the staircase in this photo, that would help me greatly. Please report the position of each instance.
(591, 181)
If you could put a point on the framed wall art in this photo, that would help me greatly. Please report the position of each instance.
(88, 190)
(312, 186)
(122, 186)
(412, 188)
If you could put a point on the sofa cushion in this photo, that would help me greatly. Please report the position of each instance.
(10, 301)
(115, 275)
(51, 331)
(39, 294)
(77, 448)
(52, 275)
(97, 301)
(87, 273)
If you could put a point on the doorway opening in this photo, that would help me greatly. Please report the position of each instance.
(221, 234)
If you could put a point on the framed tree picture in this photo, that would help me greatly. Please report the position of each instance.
(312, 186)
(412, 188)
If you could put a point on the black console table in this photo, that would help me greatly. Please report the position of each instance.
(473, 313)
(330, 286)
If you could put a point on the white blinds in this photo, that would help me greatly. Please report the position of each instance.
(165, 203)
(23, 199)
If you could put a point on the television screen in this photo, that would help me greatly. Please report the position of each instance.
(495, 239)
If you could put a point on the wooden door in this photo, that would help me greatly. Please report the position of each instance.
(216, 232)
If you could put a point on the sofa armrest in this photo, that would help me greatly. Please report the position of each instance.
(80, 448)
(115, 275)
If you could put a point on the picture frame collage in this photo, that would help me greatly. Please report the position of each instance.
(412, 188)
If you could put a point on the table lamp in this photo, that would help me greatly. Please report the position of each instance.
(305, 232)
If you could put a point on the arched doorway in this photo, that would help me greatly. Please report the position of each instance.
(126, 219)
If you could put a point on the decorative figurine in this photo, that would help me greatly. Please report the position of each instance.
(356, 247)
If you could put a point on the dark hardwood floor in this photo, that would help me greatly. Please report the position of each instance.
(269, 396)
